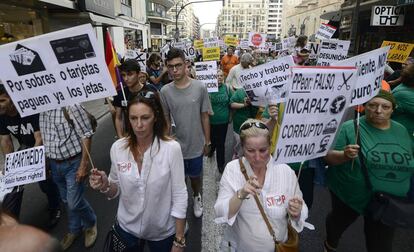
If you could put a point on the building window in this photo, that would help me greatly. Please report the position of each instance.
(126, 7)
(156, 29)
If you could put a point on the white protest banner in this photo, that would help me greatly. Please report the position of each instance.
(288, 43)
(244, 44)
(3, 189)
(164, 51)
(332, 50)
(190, 53)
(180, 45)
(266, 48)
(141, 57)
(325, 32)
(371, 66)
(55, 70)
(25, 167)
(267, 80)
(387, 15)
(257, 39)
(313, 48)
(211, 42)
(206, 72)
(315, 107)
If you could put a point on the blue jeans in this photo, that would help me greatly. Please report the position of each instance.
(80, 213)
(136, 244)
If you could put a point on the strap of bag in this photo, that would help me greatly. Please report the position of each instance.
(361, 157)
(259, 205)
(67, 117)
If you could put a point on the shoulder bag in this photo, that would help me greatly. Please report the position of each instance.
(389, 209)
(113, 241)
(292, 244)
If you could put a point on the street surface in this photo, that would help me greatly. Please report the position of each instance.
(203, 232)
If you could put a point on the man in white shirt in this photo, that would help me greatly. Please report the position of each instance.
(246, 60)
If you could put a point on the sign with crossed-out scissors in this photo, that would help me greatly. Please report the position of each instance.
(371, 66)
(141, 57)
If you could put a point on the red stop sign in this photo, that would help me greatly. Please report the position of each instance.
(257, 39)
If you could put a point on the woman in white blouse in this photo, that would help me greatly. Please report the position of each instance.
(276, 187)
(147, 172)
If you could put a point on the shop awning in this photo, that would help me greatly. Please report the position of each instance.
(332, 15)
(62, 3)
(100, 20)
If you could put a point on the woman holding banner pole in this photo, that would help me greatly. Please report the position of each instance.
(246, 180)
(147, 173)
(386, 151)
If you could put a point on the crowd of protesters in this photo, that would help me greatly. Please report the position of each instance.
(166, 123)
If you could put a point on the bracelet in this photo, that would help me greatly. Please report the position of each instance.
(179, 242)
(240, 197)
(107, 188)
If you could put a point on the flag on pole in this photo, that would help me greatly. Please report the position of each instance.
(111, 59)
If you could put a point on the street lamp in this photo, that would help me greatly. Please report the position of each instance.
(302, 26)
(177, 14)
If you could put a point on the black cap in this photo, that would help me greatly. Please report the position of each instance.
(130, 65)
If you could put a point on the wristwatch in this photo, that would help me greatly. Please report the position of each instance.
(239, 196)
(179, 242)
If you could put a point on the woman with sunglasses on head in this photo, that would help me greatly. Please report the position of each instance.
(147, 172)
(274, 184)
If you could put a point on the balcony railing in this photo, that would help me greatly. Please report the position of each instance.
(153, 14)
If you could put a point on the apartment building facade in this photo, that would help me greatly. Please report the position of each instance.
(303, 17)
(188, 23)
(239, 17)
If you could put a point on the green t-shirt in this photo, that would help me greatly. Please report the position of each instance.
(220, 102)
(388, 157)
(404, 112)
(241, 115)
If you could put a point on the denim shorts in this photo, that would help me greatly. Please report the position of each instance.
(193, 167)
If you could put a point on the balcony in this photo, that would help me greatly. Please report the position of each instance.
(157, 17)
(166, 3)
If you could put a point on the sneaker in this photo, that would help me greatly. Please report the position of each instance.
(54, 217)
(68, 240)
(198, 206)
(90, 236)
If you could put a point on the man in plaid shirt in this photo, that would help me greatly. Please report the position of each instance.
(66, 132)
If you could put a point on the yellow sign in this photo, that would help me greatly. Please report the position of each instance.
(399, 52)
(198, 44)
(211, 53)
(230, 41)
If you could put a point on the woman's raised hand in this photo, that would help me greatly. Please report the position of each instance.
(295, 207)
(252, 187)
(98, 179)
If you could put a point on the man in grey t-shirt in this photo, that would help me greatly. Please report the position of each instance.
(186, 102)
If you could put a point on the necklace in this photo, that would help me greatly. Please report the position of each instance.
(140, 153)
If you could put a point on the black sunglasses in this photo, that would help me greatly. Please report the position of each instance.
(146, 94)
(251, 124)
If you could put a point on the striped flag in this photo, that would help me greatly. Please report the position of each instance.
(111, 59)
